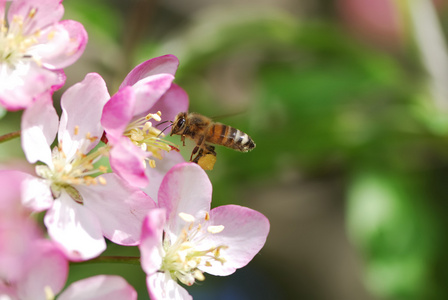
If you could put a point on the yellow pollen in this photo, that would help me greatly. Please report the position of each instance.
(152, 163)
(33, 12)
(102, 180)
(207, 216)
(51, 35)
(76, 130)
(91, 138)
(102, 169)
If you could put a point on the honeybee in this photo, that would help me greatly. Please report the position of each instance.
(204, 132)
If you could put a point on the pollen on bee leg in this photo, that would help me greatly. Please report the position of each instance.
(207, 162)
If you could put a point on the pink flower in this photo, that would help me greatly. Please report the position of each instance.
(183, 239)
(81, 208)
(28, 263)
(46, 273)
(17, 231)
(147, 93)
(34, 48)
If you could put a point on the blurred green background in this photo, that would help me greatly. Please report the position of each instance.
(347, 102)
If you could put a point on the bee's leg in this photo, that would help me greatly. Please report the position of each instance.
(199, 145)
(182, 138)
(200, 154)
(195, 150)
(210, 149)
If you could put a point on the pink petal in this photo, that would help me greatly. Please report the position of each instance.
(20, 86)
(2, 8)
(36, 194)
(118, 112)
(127, 161)
(82, 106)
(46, 13)
(16, 238)
(166, 64)
(185, 188)
(119, 207)
(8, 291)
(50, 269)
(100, 287)
(11, 190)
(75, 228)
(17, 231)
(245, 232)
(148, 91)
(60, 45)
(161, 286)
(151, 243)
(174, 101)
(155, 175)
(39, 127)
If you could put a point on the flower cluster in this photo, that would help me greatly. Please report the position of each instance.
(103, 170)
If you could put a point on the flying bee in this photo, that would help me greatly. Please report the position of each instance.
(204, 132)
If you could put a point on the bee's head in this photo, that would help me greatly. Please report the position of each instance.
(179, 123)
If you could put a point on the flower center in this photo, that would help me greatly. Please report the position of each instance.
(186, 255)
(15, 41)
(66, 173)
(147, 137)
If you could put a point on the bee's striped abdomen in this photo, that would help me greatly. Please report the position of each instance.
(230, 137)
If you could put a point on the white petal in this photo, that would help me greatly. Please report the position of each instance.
(151, 244)
(75, 228)
(161, 286)
(244, 234)
(119, 207)
(82, 107)
(39, 127)
(185, 189)
(36, 194)
(155, 175)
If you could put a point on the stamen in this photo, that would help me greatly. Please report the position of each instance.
(102, 180)
(215, 229)
(143, 134)
(152, 163)
(76, 130)
(49, 294)
(187, 217)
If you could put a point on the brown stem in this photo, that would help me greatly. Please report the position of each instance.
(9, 136)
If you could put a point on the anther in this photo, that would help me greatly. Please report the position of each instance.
(187, 217)
(215, 229)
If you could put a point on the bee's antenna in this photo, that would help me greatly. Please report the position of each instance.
(163, 122)
(165, 127)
